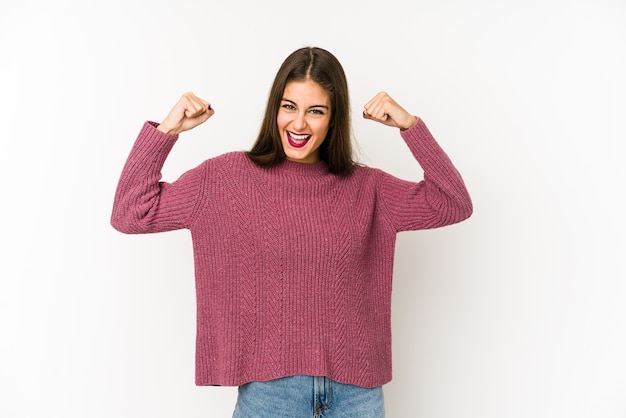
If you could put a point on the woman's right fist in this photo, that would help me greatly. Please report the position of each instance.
(189, 112)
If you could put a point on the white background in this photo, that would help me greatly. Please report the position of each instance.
(518, 312)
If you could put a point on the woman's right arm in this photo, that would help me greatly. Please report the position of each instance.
(145, 204)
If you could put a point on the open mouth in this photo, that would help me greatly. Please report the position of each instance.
(296, 140)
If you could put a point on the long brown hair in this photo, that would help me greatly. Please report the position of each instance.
(322, 67)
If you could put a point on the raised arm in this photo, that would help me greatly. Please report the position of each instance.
(438, 200)
(143, 203)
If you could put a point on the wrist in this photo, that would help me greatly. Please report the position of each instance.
(412, 123)
(167, 130)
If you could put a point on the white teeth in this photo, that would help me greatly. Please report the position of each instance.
(298, 137)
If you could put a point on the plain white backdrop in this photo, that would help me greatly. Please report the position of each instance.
(519, 312)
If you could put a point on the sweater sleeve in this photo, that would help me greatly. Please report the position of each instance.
(145, 204)
(440, 199)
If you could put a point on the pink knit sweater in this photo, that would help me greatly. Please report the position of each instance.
(293, 264)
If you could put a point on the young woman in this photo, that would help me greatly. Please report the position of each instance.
(293, 241)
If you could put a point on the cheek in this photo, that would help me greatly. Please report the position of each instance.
(280, 121)
(321, 128)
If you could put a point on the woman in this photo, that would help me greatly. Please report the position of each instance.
(293, 241)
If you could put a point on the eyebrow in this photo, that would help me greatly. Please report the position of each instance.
(310, 107)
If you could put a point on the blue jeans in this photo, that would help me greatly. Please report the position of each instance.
(307, 396)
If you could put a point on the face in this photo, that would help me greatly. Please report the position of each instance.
(303, 120)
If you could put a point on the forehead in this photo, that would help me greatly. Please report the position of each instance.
(306, 91)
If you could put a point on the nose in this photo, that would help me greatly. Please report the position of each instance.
(300, 123)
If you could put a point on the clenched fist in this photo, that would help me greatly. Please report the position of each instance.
(382, 108)
(189, 112)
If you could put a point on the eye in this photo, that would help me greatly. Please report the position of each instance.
(318, 111)
(288, 106)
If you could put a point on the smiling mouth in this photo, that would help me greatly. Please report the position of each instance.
(297, 141)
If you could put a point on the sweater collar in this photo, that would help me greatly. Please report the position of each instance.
(302, 169)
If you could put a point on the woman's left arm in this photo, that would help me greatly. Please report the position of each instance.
(438, 200)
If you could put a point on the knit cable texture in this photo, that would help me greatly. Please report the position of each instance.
(293, 265)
